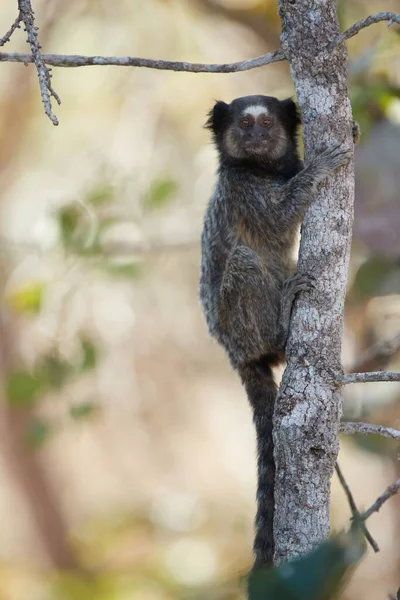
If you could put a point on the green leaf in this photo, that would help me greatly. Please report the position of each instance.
(79, 228)
(373, 275)
(27, 298)
(317, 576)
(38, 432)
(100, 195)
(84, 410)
(128, 270)
(53, 372)
(398, 594)
(161, 191)
(69, 218)
(22, 388)
(89, 354)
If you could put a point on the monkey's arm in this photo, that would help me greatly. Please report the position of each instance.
(299, 192)
(284, 206)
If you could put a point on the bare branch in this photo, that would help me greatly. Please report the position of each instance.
(388, 493)
(354, 29)
(378, 355)
(348, 428)
(46, 91)
(368, 377)
(6, 38)
(354, 510)
(75, 60)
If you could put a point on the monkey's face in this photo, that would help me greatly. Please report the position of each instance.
(254, 127)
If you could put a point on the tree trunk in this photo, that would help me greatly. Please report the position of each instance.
(309, 403)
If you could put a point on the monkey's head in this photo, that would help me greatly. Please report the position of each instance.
(257, 130)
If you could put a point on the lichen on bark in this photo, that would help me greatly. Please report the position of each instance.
(309, 403)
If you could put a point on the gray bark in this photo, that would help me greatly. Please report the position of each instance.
(309, 404)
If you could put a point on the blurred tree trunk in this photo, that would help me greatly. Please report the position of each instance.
(23, 462)
(26, 470)
(309, 404)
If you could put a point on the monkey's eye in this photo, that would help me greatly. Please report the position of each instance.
(266, 123)
(244, 123)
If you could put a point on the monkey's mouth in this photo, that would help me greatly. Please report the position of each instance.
(256, 146)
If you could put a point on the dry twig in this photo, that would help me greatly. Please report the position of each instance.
(76, 60)
(354, 510)
(62, 60)
(368, 429)
(46, 90)
(388, 493)
(354, 29)
(369, 377)
(6, 38)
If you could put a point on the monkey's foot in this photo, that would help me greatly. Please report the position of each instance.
(298, 282)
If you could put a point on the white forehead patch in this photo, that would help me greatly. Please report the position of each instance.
(256, 110)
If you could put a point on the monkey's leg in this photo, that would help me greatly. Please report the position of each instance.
(246, 292)
(292, 286)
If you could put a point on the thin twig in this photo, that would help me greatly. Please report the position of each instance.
(388, 493)
(368, 377)
(6, 38)
(348, 428)
(354, 29)
(354, 510)
(75, 60)
(377, 356)
(46, 90)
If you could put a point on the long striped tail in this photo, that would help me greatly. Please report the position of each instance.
(261, 391)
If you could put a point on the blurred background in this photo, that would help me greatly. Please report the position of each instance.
(127, 452)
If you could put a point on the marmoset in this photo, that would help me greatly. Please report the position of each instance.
(248, 281)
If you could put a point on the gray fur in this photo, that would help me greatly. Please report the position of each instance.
(248, 282)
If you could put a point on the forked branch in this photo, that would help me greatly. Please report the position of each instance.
(7, 36)
(356, 516)
(377, 505)
(354, 29)
(26, 15)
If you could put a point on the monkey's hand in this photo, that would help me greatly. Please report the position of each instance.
(329, 160)
(299, 191)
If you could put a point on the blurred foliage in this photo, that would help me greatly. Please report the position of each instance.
(22, 388)
(89, 353)
(377, 444)
(84, 410)
(50, 373)
(377, 275)
(161, 192)
(317, 576)
(133, 270)
(371, 98)
(37, 433)
(27, 298)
